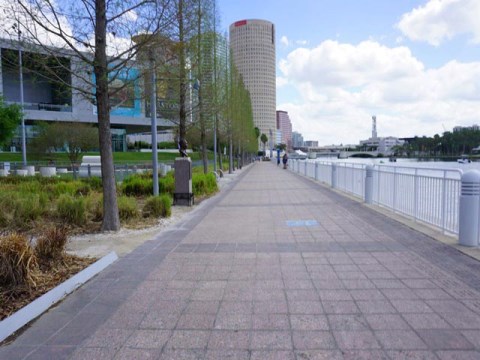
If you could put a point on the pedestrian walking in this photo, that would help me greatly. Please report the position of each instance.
(285, 161)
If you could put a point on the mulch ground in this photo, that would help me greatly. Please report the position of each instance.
(13, 299)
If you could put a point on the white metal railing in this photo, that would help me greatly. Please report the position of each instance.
(428, 195)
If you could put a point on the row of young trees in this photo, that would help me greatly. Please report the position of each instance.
(450, 143)
(177, 39)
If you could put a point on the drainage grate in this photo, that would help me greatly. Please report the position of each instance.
(298, 223)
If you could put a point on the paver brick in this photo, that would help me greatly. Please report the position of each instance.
(235, 281)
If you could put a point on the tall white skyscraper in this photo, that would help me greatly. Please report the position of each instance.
(253, 50)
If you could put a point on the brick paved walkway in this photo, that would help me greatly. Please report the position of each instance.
(275, 267)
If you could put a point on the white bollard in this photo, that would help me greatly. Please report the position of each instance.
(21, 172)
(369, 184)
(30, 170)
(48, 171)
(163, 170)
(469, 203)
(334, 176)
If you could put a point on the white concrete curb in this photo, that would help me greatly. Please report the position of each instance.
(14, 322)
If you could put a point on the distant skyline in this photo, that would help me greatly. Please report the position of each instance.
(415, 64)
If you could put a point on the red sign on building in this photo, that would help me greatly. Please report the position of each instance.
(240, 23)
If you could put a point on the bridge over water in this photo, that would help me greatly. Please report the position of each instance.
(346, 154)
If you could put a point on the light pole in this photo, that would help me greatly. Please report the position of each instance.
(20, 70)
(153, 115)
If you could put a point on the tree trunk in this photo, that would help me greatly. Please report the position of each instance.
(230, 154)
(111, 220)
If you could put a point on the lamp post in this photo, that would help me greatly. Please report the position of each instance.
(20, 70)
(153, 115)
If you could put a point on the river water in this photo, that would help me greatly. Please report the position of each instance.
(406, 163)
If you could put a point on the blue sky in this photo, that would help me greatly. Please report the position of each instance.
(415, 64)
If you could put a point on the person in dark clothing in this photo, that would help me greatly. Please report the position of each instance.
(285, 160)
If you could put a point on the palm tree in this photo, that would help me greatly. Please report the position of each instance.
(264, 140)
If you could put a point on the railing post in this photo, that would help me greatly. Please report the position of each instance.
(415, 196)
(89, 170)
(394, 189)
(316, 171)
(334, 176)
(444, 201)
(469, 206)
(369, 184)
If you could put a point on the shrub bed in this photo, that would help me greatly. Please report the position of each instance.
(29, 203)
(158, 206)
(30, 269)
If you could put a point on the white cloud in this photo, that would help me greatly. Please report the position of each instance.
(333, 63)
(342, 85)
(281, 81)
(12, 14)
(284, 40)
(440, 20)
(301, 42)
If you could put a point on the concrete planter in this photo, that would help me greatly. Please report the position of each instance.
(30, 170)
(22, 317)
(48, 171)
(21, 172)
(62, 171)
(3, 173)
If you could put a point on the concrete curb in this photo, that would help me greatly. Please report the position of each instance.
(14, 322)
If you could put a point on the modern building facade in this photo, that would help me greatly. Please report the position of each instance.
(310, 143)
(297, 140)
(47, 100)
(253, 49)
(285, 126)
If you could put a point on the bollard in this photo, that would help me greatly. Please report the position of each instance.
(30, 170)
(469, 203)
(163, 169)
(334, 176)
(369, 184)
(48, 171)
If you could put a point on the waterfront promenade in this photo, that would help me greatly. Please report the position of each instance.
(274, 267)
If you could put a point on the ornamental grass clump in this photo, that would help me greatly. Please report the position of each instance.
(204, 184)
(73, 188)
(50, 246)
(137, 185)
(72, 210)
(158, 206)
(94, 204)
(17, 261)
(28, 207)
(166, 184)
(127, 208)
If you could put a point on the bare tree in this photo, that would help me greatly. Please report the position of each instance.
(74, 138)
(97, 36)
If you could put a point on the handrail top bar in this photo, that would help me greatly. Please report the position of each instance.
(460, 171)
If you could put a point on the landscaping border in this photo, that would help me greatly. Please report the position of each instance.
(26, 314)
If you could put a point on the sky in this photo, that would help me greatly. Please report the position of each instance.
(415, 64)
